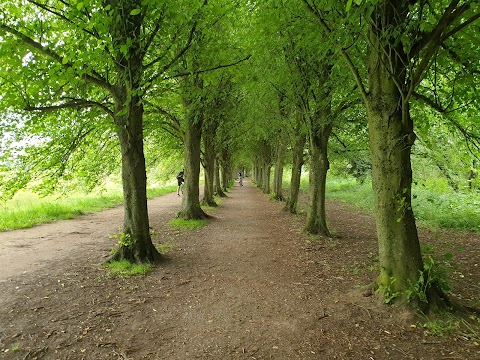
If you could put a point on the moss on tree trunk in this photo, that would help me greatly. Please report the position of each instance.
(391, 137)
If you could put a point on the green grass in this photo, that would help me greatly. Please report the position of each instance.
(217, 200)
(159, 191)
(28, 209)
(448, 324)
(188, 224)
(125, 268)
(349, 190)
(434, 204)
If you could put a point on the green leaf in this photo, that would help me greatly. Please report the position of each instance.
(448, 256)
(64, 60)
(80, 6)
(349, 5)
(135, 12)
(124, 49)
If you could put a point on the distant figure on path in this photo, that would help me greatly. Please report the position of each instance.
(240, 178)
(180, 181)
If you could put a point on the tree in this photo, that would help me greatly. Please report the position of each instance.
(198, 98)
(194, 118)
(298, 159)
(122, 57)
(404, 37)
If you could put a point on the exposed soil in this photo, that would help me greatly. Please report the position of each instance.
(250, 285)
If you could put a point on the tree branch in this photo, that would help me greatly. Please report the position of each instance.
(176, 57)
(461, 26)
(61, 16)
(96, 78)
(207, 70)
(181, 52)
(344, 53)
(434, 41)
(75, 103)
(454, 56)
(174, 123)
(158, 58)
(153, 34)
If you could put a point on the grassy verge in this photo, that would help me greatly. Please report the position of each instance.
(27, 209)
(435, 205)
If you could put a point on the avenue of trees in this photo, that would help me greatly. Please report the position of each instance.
(90, 87)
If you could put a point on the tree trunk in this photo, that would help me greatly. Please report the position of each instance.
(135, 244)
(297, 164)
(209, 165)
(257, 173)
(225, 170)
(399, 248)
(391, 137)
(316, 216)
(191, 195)
(266, 172)
(278, 173)
(217, 181)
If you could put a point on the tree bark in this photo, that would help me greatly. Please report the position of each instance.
(218, 190)
(257, 173)
(297, 164)
(316, 216)
(225, 170)
(266, 172)
(278, 173)
(391, 137)
(319, 134)
(390, 143)
(135, 243)
(191, 195)
(209, 164)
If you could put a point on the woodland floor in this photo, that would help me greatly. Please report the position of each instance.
(250, 285)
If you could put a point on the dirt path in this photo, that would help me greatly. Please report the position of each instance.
(248, 286)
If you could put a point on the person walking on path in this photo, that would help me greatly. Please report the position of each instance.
(240, 178)
(180, 181)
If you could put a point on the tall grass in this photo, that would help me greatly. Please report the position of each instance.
(434, 204)
(27, 209)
